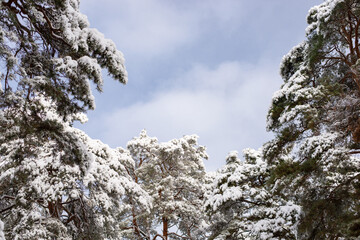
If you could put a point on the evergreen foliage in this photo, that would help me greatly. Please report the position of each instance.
(241, 207)
(58, 183)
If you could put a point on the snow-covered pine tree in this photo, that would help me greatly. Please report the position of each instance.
(56, 182)
(55, 194)
(316, 118)
(173, 175)
(241, 207)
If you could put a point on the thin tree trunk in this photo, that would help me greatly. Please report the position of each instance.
(165, 228)
(135, 224)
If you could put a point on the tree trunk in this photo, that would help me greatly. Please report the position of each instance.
(165, 228)
(135, 225)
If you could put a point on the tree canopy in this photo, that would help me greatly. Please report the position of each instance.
(315, 117)
(312, 164)
(58, 183)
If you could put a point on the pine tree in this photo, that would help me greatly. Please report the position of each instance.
(309, 173)
(172, 173)
(241, 206)
(315, 116)
(53, 196)
(56, 182)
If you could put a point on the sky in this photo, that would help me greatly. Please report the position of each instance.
(203, 67)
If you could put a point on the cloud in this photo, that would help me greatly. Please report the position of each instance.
(154, 27)
(226, 106)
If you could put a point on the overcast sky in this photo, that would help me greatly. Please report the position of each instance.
(204, 67)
